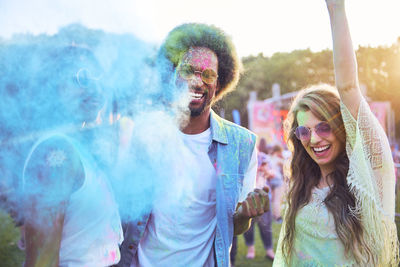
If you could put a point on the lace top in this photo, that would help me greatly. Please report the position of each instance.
(371, 178)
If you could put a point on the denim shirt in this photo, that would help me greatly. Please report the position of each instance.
(230, 153)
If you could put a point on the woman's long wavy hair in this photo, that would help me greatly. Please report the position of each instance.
(304, 174)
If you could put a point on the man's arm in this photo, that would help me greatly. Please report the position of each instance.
(53, 172)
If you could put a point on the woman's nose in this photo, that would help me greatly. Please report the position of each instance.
(314, 137)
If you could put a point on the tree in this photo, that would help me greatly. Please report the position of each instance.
(379, 70)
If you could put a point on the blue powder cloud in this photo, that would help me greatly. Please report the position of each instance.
(59, 83)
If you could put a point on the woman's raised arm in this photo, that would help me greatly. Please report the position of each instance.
(344, 57)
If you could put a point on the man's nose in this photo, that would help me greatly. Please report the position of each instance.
(195, 80)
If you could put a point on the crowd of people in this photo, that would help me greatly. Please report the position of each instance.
(338, 188)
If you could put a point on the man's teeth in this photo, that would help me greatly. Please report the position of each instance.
(319, 149)
(195, 95)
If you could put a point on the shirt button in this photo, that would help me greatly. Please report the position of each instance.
(130, 246)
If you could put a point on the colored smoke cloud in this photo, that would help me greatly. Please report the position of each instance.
(59, 83)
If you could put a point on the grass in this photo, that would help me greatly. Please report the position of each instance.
(11, 256)
(260, 259)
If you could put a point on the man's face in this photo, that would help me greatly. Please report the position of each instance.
(203, 64)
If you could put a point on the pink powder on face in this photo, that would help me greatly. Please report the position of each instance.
(201, 56)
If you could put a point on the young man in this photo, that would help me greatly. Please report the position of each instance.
(203, 60)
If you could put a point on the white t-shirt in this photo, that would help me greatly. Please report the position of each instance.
(92, 226)
(183, 234)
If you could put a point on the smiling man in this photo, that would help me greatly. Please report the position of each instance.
(199, 67)
(204, 61)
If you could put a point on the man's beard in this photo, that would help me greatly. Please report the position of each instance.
(195, 112)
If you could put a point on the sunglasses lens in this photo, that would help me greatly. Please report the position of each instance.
(302, 133)
(185, 71)
(323, 129)
(208, 76)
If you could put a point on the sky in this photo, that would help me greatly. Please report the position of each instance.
(256, 26)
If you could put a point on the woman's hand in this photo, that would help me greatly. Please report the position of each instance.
(334, 3)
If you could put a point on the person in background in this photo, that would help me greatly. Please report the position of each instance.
(277, 162)
(264, 175)
(396, 158)
(233, 251)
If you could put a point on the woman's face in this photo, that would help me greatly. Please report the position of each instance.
(322, 148)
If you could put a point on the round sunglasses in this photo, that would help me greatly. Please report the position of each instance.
(323, 129)
(187, 72)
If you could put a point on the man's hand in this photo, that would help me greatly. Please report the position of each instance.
(256, 203)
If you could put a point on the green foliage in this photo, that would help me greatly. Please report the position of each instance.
(10, 255)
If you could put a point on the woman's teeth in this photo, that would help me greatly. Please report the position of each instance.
(320, 149)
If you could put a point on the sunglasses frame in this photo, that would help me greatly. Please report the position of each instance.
(318, 132)
(194, 72)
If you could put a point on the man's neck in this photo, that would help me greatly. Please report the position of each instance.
(198, 124)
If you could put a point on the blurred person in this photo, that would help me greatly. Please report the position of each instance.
(276, 162)
(264, 175)
(263, 146)
(340, 204)
(198, 230)
(71, 217)
(396, 159)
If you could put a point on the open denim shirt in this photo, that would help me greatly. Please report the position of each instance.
(230, 153)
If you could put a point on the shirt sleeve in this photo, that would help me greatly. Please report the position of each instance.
(249, 180)
(371, 179)
(371, 170)
(52, 172)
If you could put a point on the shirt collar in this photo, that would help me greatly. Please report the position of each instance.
(218, 131)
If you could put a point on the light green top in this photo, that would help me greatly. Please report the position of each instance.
(316, 242)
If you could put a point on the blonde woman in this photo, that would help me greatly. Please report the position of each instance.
(341, 197)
